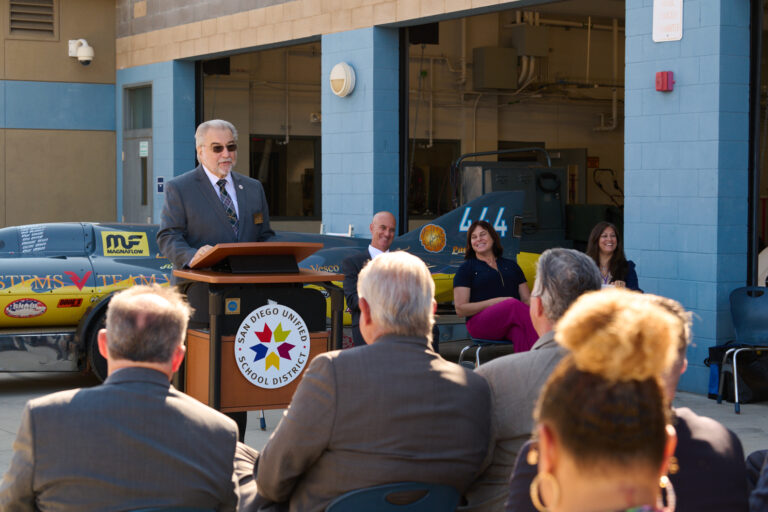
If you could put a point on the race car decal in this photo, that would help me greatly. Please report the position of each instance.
(25, 308)
(76, 280)
(122, 280)
(432, 238)
(70, 303)
(38, 284)
(125, 243)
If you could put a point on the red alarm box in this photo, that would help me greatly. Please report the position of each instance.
(664, 81)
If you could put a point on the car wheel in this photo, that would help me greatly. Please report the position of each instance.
(96, 361)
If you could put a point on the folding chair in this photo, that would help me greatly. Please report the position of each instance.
(749, 311)
(479, 343)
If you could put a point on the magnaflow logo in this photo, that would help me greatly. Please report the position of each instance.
(124, 243)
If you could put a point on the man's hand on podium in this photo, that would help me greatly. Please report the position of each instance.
(199, 255)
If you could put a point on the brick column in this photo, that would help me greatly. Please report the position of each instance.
(686, 157)
(360, 131)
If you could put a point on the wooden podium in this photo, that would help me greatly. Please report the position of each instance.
(243, 277)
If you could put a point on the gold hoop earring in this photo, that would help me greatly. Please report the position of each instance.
(534, 489)
(667, 494)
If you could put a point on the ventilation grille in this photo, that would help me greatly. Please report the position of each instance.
(33, 18)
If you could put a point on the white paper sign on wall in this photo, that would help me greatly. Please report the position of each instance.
(667, 20)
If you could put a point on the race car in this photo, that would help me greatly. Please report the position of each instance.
(55, 282)
(56, 279)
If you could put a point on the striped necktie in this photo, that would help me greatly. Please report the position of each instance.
(228, 204)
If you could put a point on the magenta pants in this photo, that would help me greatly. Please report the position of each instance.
(508, 320)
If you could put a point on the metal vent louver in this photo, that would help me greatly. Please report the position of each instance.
(32, 18)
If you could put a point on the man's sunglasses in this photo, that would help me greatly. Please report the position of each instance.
(218, 148)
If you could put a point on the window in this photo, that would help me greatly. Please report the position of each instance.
(139, 111)
(290, 173)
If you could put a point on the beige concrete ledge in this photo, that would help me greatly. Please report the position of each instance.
(277, 24)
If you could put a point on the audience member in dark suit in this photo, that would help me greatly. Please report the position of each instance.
(211, 205)
(382, 233)
(711, 474)
(758, 497)
(515, 380)
(368, 416)
(134, 441)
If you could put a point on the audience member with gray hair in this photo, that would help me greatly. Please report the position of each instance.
(367, 415)
(515, 380)
(133, 442)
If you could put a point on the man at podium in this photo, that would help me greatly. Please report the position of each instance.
(209, 205)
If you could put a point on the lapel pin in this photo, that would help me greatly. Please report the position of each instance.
(240, 187)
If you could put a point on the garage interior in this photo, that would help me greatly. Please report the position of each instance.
(548, 76)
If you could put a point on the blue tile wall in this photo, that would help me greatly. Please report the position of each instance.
(686, 156)
(173, 121)
(360, 134)
(57, 106)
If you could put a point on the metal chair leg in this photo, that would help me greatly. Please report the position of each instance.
(720, 379)
(736, 407)
(461, 354)
(477, 356)
(262, 420)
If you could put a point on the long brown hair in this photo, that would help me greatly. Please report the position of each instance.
(617, 266)
(498, 249)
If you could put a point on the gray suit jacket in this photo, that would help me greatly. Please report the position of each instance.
(515, 381)
(387, 412)
(194, 216)
(132, 442)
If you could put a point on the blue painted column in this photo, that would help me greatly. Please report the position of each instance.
(685, 158)
(173, 122)
(360, 131)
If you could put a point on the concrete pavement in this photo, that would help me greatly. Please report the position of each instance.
(16, 388)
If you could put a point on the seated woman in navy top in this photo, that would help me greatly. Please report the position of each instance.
(491, 291)
(605, 248)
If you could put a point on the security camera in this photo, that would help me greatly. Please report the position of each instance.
(82, 50)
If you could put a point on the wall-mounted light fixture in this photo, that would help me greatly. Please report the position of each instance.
(342, 79)
(80, 49)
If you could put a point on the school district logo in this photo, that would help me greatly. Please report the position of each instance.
(272, 346)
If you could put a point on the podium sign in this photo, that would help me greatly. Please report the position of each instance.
(272, 346)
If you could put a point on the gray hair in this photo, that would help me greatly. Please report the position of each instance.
(562, 275)
(399, 289)
(213, 124)
(146, 323)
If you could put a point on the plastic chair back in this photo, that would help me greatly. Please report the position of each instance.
(749, 312)
(398, 497)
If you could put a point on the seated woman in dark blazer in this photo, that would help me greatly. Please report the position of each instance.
(492, 292)
(606, 249)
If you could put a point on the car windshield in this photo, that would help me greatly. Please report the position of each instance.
(43, 240)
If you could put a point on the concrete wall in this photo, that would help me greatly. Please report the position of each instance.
(57, 120)
(296, 20)
(139, 16)
(686, 158)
